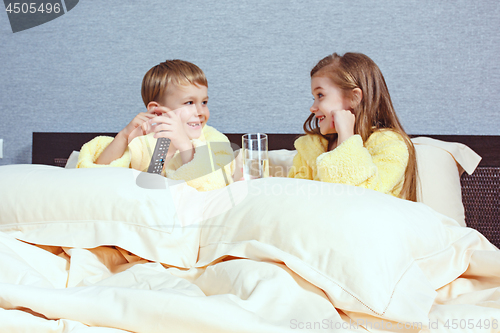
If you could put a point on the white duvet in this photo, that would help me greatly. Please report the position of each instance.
(116, 250)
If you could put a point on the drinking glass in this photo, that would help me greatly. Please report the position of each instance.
(255, 156)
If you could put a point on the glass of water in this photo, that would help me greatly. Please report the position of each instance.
(255, 157)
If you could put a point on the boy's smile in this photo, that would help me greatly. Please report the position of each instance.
(191, 121)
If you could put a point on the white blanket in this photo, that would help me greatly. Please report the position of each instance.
(274, 255)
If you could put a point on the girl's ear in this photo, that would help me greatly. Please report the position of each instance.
(356, 97)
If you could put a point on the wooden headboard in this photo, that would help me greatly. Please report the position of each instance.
(480, 191)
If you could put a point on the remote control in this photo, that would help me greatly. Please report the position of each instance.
(158, 159)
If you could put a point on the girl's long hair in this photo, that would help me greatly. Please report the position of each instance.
(374, 112)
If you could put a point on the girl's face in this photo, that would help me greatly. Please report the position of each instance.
(327, 98)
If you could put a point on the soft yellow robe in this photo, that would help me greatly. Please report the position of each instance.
(378, 164)
(213, 154)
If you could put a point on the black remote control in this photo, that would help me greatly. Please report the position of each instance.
(158, 159)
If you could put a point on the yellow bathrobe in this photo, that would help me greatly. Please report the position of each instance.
(378, 164)
(204, 172)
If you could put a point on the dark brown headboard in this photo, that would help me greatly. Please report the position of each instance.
(48, 146)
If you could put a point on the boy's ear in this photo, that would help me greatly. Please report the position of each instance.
(356, 97)
(152, 105)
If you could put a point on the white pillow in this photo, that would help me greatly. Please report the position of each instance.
(86, 208)
(72, 160)
(439, 165)
(280, 162)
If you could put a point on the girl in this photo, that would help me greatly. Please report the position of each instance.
(353, 135)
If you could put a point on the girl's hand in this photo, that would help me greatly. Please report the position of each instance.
(344, 121)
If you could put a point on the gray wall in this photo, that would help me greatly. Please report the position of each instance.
(82, 71)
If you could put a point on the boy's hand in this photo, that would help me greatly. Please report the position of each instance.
(169, 125)
(238, 167)
(138, 126)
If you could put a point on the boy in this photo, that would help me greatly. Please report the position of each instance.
(175, 95)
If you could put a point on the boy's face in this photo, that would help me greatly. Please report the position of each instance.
(190, 121)
(178, 96)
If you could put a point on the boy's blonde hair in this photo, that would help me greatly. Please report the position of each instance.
(375, 111)
(177, 72)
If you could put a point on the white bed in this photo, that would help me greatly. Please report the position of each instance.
(112, 250)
